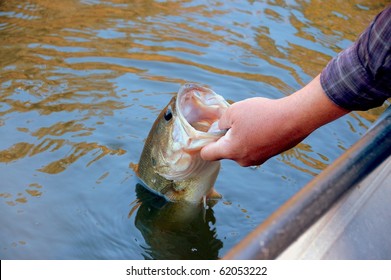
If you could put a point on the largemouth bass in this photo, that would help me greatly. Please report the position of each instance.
(170, 164)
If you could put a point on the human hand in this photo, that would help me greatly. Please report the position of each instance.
(260, 128)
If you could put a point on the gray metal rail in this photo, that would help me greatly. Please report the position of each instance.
(285, 225)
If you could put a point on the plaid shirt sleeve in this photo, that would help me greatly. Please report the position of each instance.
(359, 78)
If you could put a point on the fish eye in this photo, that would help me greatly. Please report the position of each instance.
(168, 114)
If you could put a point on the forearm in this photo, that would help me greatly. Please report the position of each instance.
(297, 116)
(309, 108)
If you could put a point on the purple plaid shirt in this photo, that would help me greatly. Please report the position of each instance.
(359, 78)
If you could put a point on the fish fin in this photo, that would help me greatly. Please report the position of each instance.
(169, 191)
(134, 166)
(171, 195)
(168, 187)
(213, 194)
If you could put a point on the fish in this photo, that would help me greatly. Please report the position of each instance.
(170, 164)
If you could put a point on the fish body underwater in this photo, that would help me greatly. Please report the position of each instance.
(170, 164)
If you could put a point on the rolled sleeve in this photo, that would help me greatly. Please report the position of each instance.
(358, 78)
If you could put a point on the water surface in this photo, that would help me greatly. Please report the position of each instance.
(81, 83)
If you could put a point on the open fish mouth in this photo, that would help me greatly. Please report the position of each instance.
(199, 110)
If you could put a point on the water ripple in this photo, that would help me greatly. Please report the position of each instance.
(81, 83)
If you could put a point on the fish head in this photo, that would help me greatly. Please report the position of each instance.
(194, 125)
(171, 164)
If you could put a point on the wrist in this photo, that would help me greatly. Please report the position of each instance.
(314, 107)
(308, 109)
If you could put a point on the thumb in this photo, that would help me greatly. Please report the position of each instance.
(225, 120)
(216, 150)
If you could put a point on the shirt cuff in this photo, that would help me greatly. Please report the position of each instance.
(348, 84)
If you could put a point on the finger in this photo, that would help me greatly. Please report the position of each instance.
(215, 151)
(211, 152)
(225, 120)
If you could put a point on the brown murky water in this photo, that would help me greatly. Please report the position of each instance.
(81, 83)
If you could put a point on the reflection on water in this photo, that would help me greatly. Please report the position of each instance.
(176, 230)
(81, 82)
(306, 161)
(20, 150)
